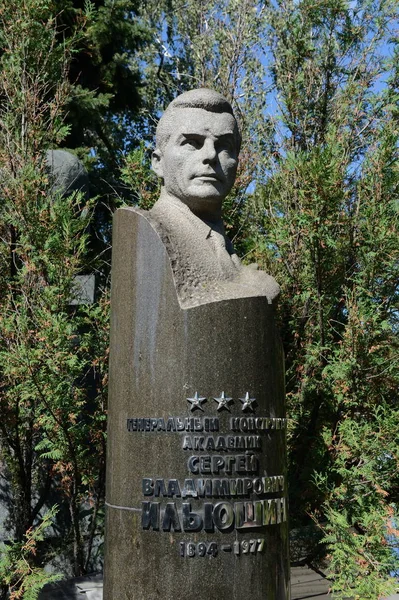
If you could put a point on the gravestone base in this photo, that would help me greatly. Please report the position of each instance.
(196, 486)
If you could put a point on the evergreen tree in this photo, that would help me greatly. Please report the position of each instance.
(329, 208)
(52, 355)
(104, 112)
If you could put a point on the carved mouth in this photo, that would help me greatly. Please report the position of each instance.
(208, 177)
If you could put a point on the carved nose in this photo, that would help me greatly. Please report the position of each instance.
(209, 151)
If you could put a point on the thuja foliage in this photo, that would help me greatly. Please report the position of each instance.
(52, 355)
(20, 578)
(329, 209)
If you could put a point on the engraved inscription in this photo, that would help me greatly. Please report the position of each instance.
(216, 488)
(227, 442)
(255, 424)
(173, 424)
(248, 546)
(203, 549)
(225, 516)
(215, 463)
(223, 474)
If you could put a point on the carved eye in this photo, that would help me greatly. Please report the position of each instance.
(193, 142)
(226, 145)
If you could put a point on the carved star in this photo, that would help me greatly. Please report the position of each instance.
(247, 402)
(196, 402)
(223, 402)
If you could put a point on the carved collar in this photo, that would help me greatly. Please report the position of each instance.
(204, 229)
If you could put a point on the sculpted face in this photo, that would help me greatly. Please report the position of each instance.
(199, 161)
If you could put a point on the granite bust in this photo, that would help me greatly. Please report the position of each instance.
(196, 501)
(196, 157)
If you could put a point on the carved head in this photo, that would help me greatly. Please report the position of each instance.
(197, 147)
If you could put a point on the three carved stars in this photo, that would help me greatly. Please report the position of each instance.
(248, 403)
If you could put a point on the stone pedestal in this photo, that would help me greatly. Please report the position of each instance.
(196, 488)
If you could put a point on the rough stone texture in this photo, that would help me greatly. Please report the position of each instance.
(196, 158)
(162, 354)
(204, 263)
(67, 171)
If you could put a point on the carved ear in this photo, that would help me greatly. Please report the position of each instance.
(157, 163)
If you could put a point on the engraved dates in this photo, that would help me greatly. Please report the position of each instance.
(202, 549)
(211, 549)
(248, 546)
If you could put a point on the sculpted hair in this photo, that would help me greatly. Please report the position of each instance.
(201, 98)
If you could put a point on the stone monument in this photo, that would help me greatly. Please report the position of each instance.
(196, 477)
(67, 173)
